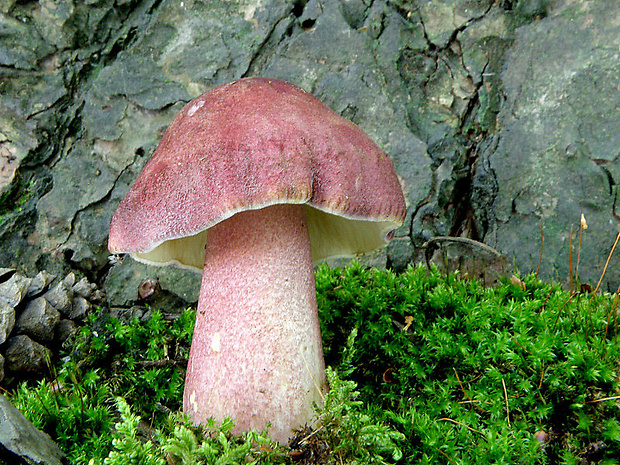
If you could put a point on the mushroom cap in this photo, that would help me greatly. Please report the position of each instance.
(247, 145)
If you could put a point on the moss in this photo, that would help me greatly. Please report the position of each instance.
(424, 368)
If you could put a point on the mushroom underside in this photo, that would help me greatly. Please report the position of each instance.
(331, 236)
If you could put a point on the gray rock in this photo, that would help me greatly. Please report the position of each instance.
(124, 279)
(53, 21)
(98, 296)
(22, 354)
(14, 290)
(61, 295)
(7, 321)
(65, 329)
(21, 46)
(497, 114)
(1, 367)
(556, 154)
(128, 314)
(83, 288)
(38, 320)
(81, 308)
(5, 273)
(471, 259)
(23, 441)
(39, 284)
(401, 250)
(69, 280)
(442, 19)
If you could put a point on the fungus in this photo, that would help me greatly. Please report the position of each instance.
(253, 182)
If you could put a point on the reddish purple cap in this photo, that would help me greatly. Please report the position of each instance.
(249, 144)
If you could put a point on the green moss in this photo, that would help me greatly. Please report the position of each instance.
(425, 368)
(477, 372)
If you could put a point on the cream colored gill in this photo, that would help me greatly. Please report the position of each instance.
(330, 235)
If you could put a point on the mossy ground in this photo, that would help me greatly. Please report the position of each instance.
(425, 368)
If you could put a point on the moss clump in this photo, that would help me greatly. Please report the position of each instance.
(470, 374)
(425, 368)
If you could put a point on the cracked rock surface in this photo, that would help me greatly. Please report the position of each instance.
(556, 154)
(498, 114)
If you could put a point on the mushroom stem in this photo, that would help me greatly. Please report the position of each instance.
(256, 355)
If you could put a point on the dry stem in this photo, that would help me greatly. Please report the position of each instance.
(605, 268)
(506, 399)
(460, 424)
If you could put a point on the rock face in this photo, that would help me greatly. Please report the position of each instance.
(499, 114)
(556, 154)
(26, 356)
(38, 318)
(21, 442)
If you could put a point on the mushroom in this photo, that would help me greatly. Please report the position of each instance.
(252, 183)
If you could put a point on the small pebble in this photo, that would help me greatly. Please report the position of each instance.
(541, 437)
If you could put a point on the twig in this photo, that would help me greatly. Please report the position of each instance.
(460, 424)
(614, 309)
(615, 327)
(602, 399)
(316, 385)
(542, 375)
(461, 384)
(605, 268)
(614, 306)
(557, 318)
(160, 363)
(465, 392)
(506, 398)
(446, 456)
(599, 282)
(36, 393)
(514, 339)
(542, 307)
(464, 240)
(473, 401)
(311, 434)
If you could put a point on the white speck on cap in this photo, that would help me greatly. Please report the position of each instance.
(195, 107)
